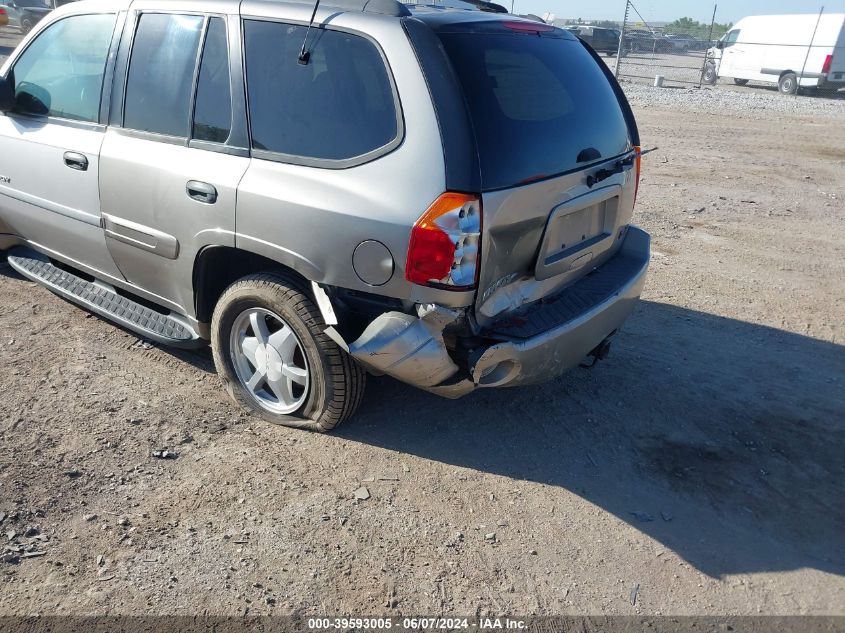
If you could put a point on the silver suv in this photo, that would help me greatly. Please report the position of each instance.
(438, 194)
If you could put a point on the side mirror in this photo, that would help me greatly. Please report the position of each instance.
(7, 95)
(720, 44)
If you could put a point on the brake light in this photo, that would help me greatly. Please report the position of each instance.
(638, 159)
(445, 243)
(828, 61)
(2, 11)
(528, 27)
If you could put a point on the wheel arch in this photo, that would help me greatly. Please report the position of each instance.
(216, 267)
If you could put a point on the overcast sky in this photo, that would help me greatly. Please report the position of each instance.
(701, 10)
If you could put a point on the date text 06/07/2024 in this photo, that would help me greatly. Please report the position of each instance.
(418, 623)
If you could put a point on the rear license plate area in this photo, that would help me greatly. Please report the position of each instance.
(578, 231)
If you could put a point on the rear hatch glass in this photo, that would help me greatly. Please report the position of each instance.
(539, 102)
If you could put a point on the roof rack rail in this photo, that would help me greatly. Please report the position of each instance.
(381, 7)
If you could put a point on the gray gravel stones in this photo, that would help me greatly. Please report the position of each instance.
(717, 100)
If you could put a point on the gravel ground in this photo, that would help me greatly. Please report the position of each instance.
(750, 101)
(698, 470)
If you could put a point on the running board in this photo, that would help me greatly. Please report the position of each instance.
(101, 299)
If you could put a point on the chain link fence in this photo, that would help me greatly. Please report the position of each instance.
(799, 54)
(667, 53)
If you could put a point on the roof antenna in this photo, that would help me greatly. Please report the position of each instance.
(304, 55)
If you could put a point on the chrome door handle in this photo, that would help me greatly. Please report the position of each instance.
(201, 191)
(76, 161)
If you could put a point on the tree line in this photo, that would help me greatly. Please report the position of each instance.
(687, 26)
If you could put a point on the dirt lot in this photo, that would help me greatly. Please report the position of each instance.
(702, 462)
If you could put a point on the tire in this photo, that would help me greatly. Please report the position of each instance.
(741, 82)
(788, 83)
(26, 25)
(709, 75)
(332, 385)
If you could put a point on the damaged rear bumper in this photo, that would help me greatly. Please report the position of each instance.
(534, 345)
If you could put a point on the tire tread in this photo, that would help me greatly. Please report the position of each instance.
(345, 378)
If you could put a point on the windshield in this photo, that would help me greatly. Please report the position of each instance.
(540, 104)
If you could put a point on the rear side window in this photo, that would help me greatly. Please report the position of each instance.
(537, 102)
(161, 74)
(61, 73)
(337, 107)
(213, 109)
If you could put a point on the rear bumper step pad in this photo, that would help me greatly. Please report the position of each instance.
(162, 328)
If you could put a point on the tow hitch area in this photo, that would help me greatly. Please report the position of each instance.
(599, 353)
(408, 348)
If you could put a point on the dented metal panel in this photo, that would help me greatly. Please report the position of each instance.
(406, 347)
(530, 234)
(411, 348)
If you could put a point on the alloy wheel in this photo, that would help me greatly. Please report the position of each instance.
(269, 360)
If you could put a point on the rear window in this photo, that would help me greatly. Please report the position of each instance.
(538, 102)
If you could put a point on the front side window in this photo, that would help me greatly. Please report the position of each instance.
(339, 105)
(213, 109)
(61, 73)
(730, 38)
(161, 74)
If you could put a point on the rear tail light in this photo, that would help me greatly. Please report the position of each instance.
(828, 61)
(638, 159)
(445, 243)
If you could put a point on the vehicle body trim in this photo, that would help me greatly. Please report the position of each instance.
(55, 120)
(805, 75)
(459, 152)
(55, 207)
(324, 303)
(140, 236)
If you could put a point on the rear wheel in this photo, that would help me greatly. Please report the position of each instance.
(274, 359)
(788, 83)
(709, 75)
(740, 82)
(26, 25)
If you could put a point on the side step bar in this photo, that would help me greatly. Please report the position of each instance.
(103, 300)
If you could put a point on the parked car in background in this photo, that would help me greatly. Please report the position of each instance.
(25, 14)
(701, 44)
(234, 177)
(794, 51)
(681, 42)
(646, 42)
(603, 40)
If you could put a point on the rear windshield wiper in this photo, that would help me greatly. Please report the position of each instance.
(618, 168)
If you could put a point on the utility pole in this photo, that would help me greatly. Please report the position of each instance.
(809, 48)
(621, 39)
(709, 42)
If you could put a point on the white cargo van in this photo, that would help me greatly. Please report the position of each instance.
(801, 50)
